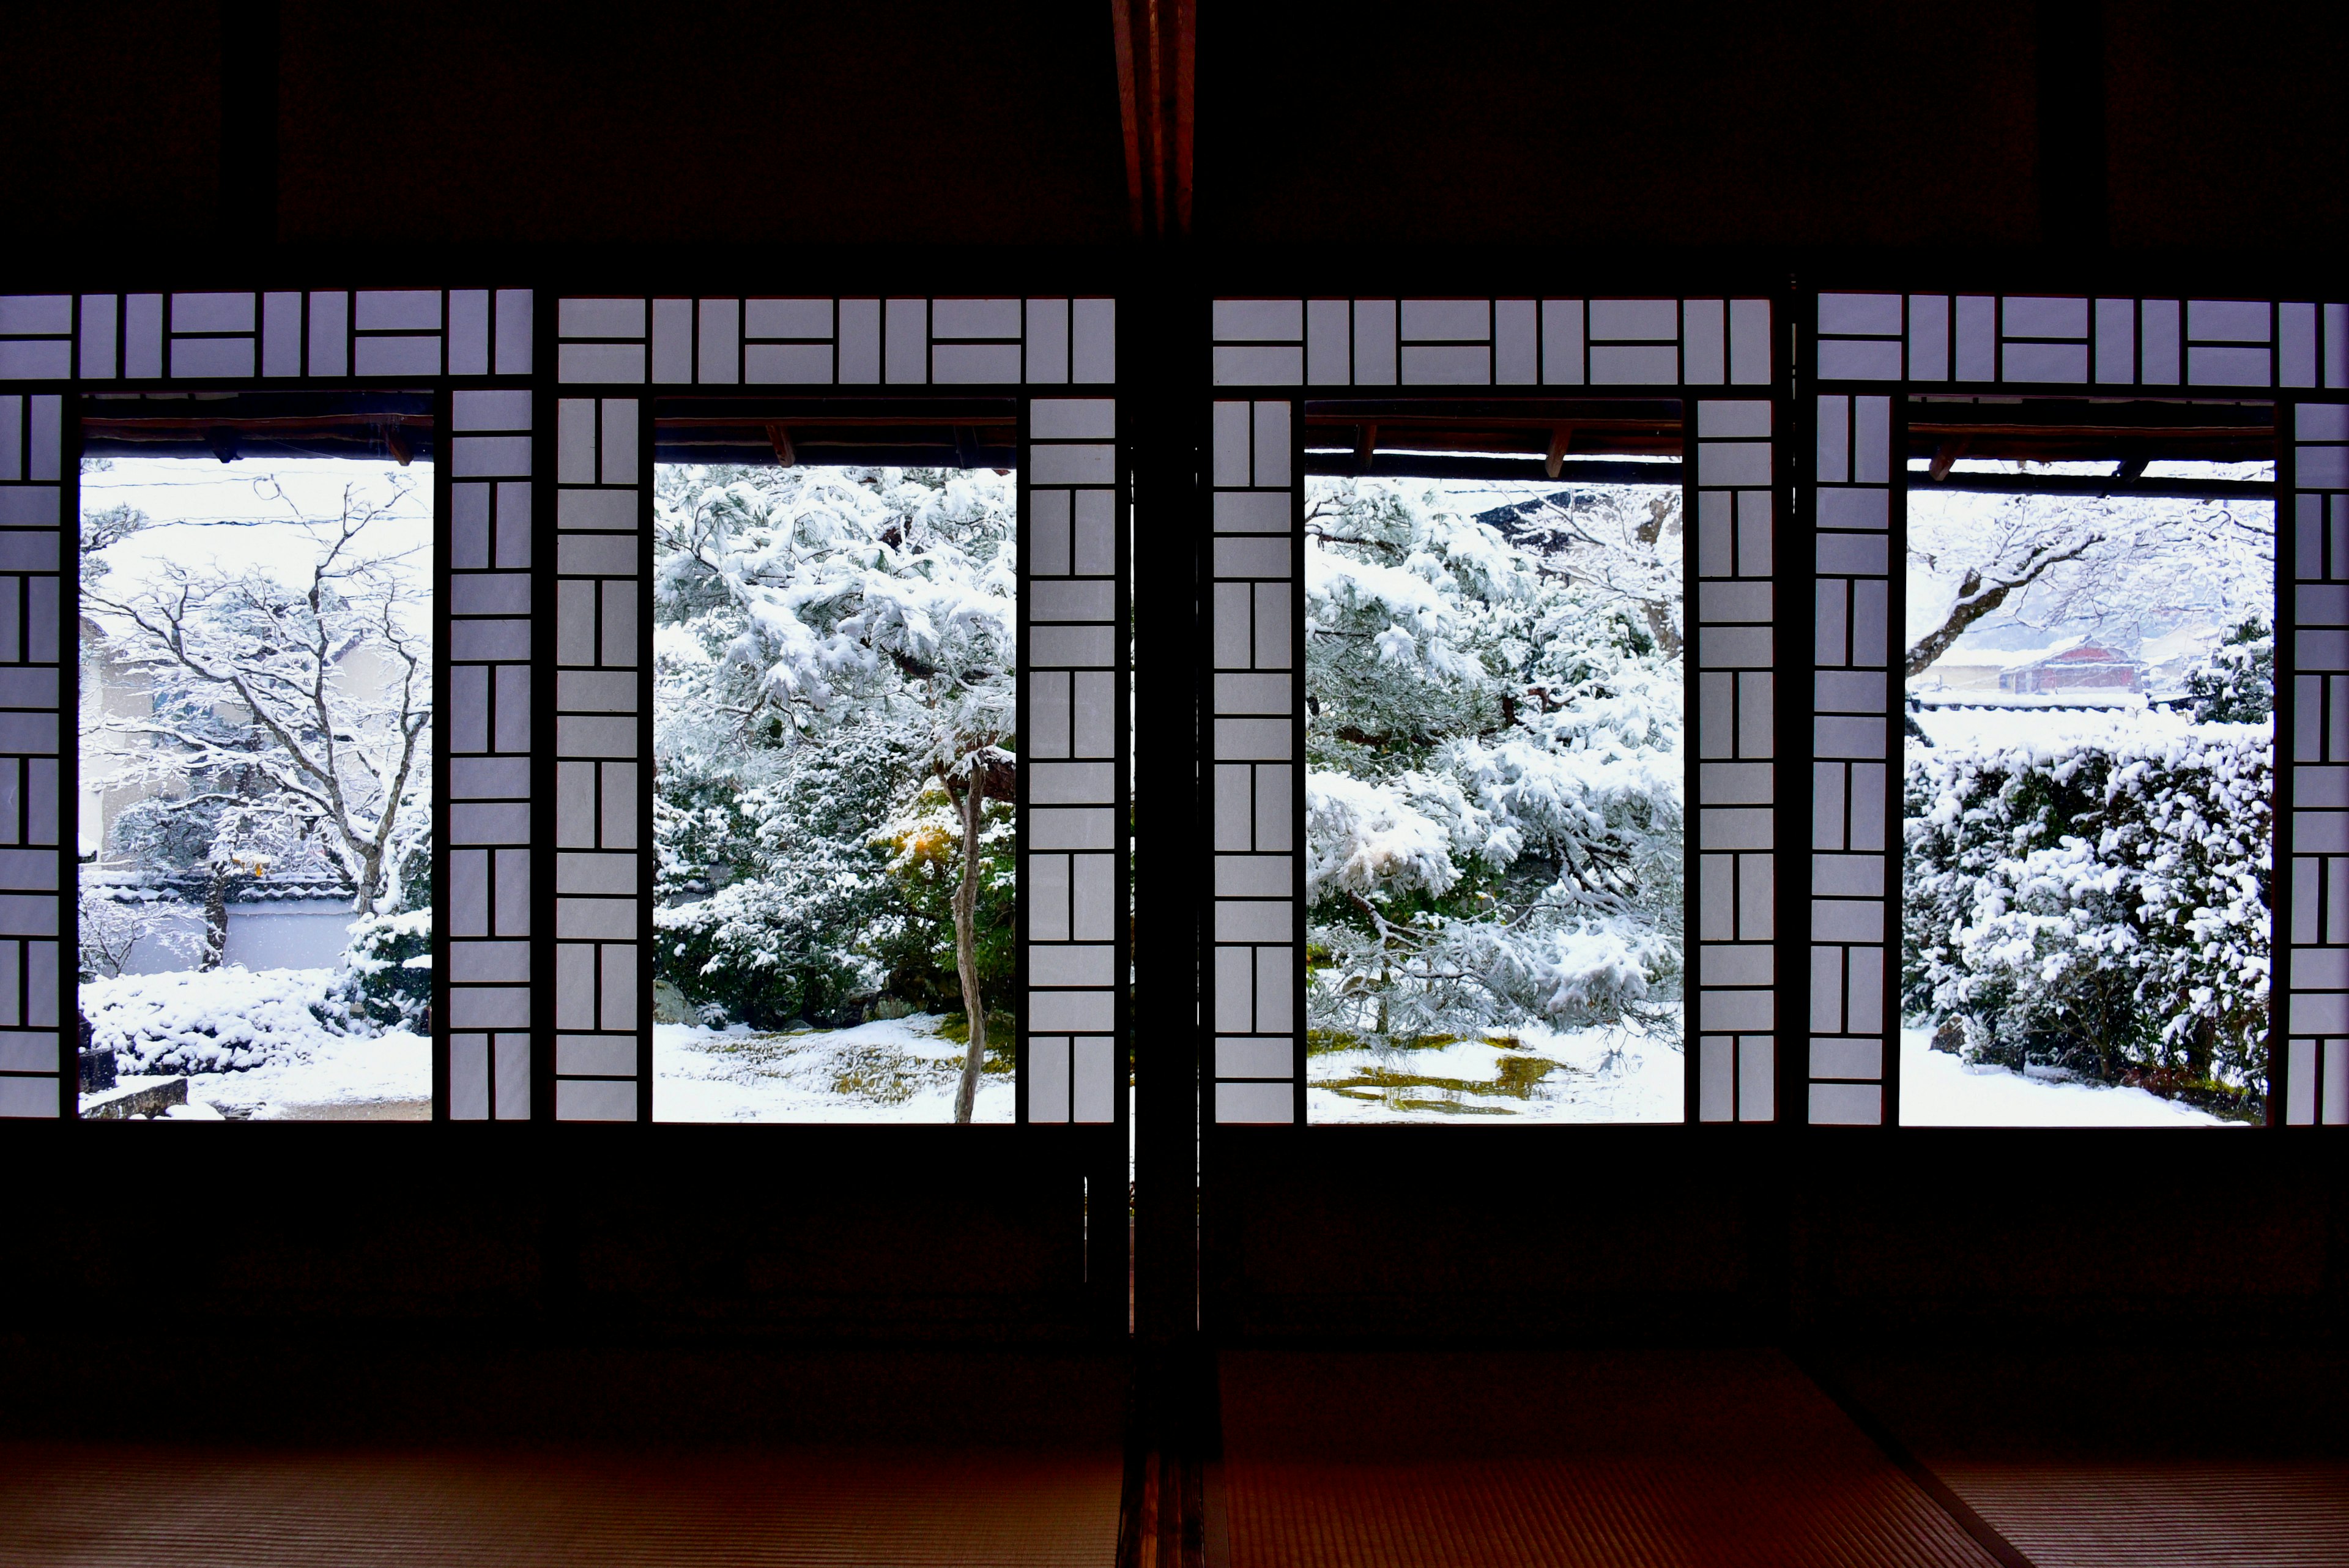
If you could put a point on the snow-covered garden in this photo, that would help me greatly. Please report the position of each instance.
(835, 727)
(2087, 863)
(1494, 811)
(256, 720)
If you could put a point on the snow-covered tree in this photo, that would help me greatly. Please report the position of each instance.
(1616, 542)
(289, 727)
(2089, 894)
(836, 659)
(2098, 567)
(1494, 809)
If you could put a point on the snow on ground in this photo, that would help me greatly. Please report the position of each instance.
(252, 1048)
(345, 1077)
(1936, 1089)
(890, 1070)
(1533, 1075)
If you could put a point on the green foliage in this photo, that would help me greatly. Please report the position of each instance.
(801, 912)
(925, 861)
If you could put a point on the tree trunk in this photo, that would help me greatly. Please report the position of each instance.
(1973, 603)
(217, 917)
(1657, 613)
(969, 803)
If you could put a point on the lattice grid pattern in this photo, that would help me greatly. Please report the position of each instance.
(602, 716)
(1071, 615)
(1871, 347)
(35, 863)
(1492, 342)
(1854, 789)
(1255, 693)
(1255, 724)
(2316, 1048)
(486, 733)
(827, 342)
(611, 355)
(1735, 739)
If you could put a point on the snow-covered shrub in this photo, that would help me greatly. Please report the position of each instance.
(2238, 685)
(209, 1020)
(2097, 905)
(1494, 793)
(388, 977)
(767, 952)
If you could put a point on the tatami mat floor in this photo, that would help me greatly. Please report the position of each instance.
(1716, 1458)
(2148, 1457)
(121, 1506)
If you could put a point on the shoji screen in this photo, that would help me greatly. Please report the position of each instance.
(1873, 352)
(614, 355)
(473, 345)
(1713, 355)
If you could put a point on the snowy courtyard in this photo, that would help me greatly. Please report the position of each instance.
(1493, 802)
(2088, 800)
(1533, 1076)
(255, 815)
(835, 720)
(893, 1070)
(251, 1044)
(1939, 1090)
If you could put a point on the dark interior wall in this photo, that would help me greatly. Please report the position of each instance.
(479, 1231)
(1831, 124)
(2229, 128)
(927, 122)
(110, 122)
(1841, 1237)
(1840, 124)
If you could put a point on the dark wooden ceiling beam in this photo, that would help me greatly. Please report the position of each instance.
(1156, 46)
(1128, 107)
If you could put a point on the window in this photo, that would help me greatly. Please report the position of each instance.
(256, 723)
(2088, 812)
(836, 724)
(1494, 792)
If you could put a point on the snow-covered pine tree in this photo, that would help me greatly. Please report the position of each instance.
(1494, 808)
(833, 646)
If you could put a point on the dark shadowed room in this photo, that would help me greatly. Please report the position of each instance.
(1121, 783)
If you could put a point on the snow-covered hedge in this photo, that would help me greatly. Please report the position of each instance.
(211, 1020)
(2098, 904)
